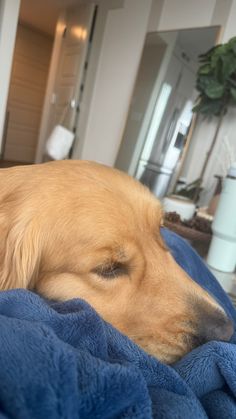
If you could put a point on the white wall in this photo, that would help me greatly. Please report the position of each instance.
(92, 73)
(183, 14)
(120, 53)
(230, 27)
(9, 11)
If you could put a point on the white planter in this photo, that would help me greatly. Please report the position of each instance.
(183, 206)
(222, 252)
(59, 143)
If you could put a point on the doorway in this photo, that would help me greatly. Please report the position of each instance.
(159, 119)
(32, 61)
(27, 87)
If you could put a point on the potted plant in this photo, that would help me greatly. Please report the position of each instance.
(216, 83)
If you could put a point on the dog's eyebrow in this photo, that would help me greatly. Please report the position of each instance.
(120, 253)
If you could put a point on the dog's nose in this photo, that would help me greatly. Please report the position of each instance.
(215, 325)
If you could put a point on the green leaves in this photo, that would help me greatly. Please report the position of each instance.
(233, 93)
(229, 64)
(232, 44)
(214, 90)
(216, 79)
(205, 69)
(209, 107)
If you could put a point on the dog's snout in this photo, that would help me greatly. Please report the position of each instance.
(215, 325)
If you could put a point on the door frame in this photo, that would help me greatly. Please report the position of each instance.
(170, 40)
(103, 9)
(43, 130)
(52, 81)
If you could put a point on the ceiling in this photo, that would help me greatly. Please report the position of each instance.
(43, 14)
(192, 41)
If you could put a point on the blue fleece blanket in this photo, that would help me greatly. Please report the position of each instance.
(61, 360)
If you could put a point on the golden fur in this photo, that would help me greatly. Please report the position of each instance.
(79, 229)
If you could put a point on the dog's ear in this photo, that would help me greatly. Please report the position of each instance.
(20, 255)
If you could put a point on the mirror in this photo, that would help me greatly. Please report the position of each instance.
(157, 131)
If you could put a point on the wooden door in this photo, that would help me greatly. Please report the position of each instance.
(26, 94)
(68, 83)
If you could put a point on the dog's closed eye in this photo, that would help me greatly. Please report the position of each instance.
(111, 270)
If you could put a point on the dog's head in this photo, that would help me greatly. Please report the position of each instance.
(78, 229)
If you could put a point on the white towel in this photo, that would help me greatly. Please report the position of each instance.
(59, 143)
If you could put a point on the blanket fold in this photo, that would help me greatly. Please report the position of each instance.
(61, 360)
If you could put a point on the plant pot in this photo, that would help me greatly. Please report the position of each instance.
(183, 206)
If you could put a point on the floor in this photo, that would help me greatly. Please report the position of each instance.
(4, 164)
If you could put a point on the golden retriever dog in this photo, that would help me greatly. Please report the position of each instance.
(79, 229)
